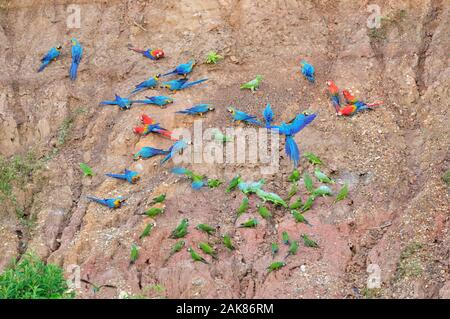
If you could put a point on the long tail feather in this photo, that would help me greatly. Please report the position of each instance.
(73, 71)
(187, 85)
(118, 176)
(43, 66)
(292, 150)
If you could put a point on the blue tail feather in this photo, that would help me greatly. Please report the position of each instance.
(73, 71)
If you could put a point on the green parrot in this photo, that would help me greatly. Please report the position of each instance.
(147, 230)
(181, 230)
(285, 238)
(242, 208)
(227, 242)
(276, 265)
(205, 228)
(87, 171)
(292, 191)
(251, 223)
(219, 137)
(295, 176)
(270, 197)
(321, 177)
(254, 84)
(299, 218)
(264, 212)
(154, 211)
(196, 257)
(207, 249)
(308, 204)
(309, 242)
(322, 190)
(213, 183)
(233, 183)
(293, 248)
(177, 247)
(312, 158)
(159, 199)
(297, 204)
(134, 254)
(342, 194)
(307, 180)
(274, 248)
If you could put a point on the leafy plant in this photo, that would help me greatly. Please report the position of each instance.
(31, 278)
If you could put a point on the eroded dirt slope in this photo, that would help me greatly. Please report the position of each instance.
(393, 158)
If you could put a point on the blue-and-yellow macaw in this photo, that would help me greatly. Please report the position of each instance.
(150, 83)
(149, 53)
(197, 109)
(77, 53)
(159, 100)
(110, 202)
(307, 70)
(51, 55)
(148, 152)
(289, 131)
(180, 84)
(242, 116)
(183, 69)
(122, 102)
(268, 115)
(176, 148)
(128, 175)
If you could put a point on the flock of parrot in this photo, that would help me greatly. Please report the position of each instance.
(286, 129)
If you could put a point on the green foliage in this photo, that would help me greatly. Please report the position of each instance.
(213, 58)
(31, 278)
(67, 124)
(409, 264)
(446, 177)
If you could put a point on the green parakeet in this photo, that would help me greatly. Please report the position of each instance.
(207, 249)
(308, 204)
(274, 248)
(177, 247)
(309, 242)
(270, 197)
(322, 190)
(254, 84)
(227, 242)
(312, 158)
(321, 177)
(307, 180)
(295, 176)
(87, 171)
(233, 183)
(264, 212)
(292, 191)
(213, 183)
(299, 218)
(243, 207)
(195, 256)
(342, 194)
(205, 228)
(219, 137)
(181, 230)
(147, 230)
(293, 248)
(276, 265)
(134, 254)
(159, 199)
(251, 223)
(154, 211)
(297, 204)
(285, 238)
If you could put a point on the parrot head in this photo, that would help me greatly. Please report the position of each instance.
(157, 76)
(74, 41)
(118, 201)
(168, 100)
(138, 130)
(348, 96)
(135, 179)
(158, 54)
(189, 249)
(232, 110)
(211, 108)
(329, 83)
(59, 47)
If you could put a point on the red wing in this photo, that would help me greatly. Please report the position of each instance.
(145, 119)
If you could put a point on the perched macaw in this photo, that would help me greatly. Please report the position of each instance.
(197, 180)
(177, 147)
(307, 70)
(268, 115)
(355, 105)
(77, 53)
(150, 83)
(254, 84)
(149, 53)
(289, 130)
(334, 94)
(148, 152)
(122, 102)
(128, 175)
(242, 116)
(51, 55)
(197, 109)
(159, 100)
(110, 202)
(180, 84)
(151, 127)
(183, 69)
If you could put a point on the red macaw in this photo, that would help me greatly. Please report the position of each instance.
(334, 94)
(355, 105)
(151, 127)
